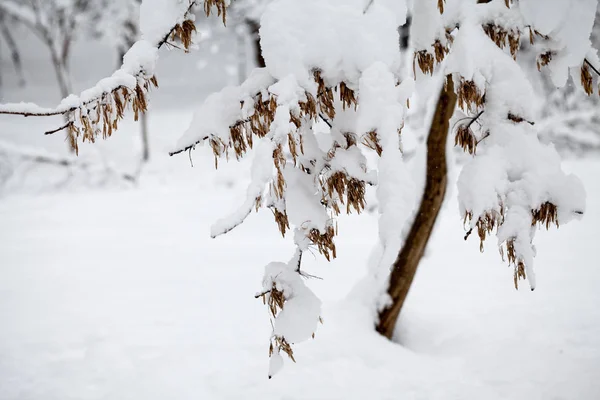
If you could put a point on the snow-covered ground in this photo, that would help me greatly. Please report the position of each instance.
(117, 292)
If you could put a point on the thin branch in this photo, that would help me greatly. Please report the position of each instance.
(190, 147)
(307, 276)
(174, 46)
(65, 126)
(231, 226)
(483, 137)
(468, 233)
(190, 155)
(325, 120)
(60, 111)
(257, 295)
(475, 118)
(166, 37)
(591, 66)
(56, 111)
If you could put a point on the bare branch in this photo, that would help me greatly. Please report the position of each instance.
(187, 148)
(65, 126)
(591, 66)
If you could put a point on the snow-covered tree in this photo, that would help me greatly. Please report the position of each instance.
(335, 89)
(6, 27)
(55, 22)
(569, 118)
(246, 14)
(118, 21)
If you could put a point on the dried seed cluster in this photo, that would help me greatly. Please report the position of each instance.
(586, 80)
(184, 33)
(324, 96)
(502, 37)
(546, 215)
(440, 5)
(489, 222)
(281, 219)
(339, 186)
(465, 138)
(470, 97)
(275, 301)
(518, 265)
(102, 118)
(485, 225)
(220, 5)
(371, 140)
(427, 60)
(336, 187)
(324, 241)
(544, 59)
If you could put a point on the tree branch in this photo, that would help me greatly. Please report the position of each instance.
(13, 109)
(190, 147)
(591, 66)
(65, 126)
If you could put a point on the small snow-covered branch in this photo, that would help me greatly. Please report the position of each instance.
(261, 175)
(100, 108)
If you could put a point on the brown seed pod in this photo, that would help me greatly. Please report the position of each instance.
(281, 219)
(469, 96)
(544, 59)
(465, 138)
(324, 242)
(425, 61)
(586, 80)
(324, 96)
(546, 215)
(220, 5)
(371, 140)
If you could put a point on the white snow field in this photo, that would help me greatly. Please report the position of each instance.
(117, 292)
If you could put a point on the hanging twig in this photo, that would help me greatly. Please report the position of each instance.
(591, 66)
(65, 126)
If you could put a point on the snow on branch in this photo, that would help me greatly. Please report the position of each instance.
(513, 182)
(346, 73)
(306, 176)
(98, 110)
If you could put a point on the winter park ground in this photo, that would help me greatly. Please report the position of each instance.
(115, 291)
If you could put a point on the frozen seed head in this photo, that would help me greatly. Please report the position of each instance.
(470, 97)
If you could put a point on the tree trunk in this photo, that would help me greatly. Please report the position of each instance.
(62, 74)
(405, 266)
(404, 31)
(14, 51)
(253, 27)
(145, 140)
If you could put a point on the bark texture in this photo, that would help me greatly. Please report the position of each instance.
(405, 266)
(254, 27)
